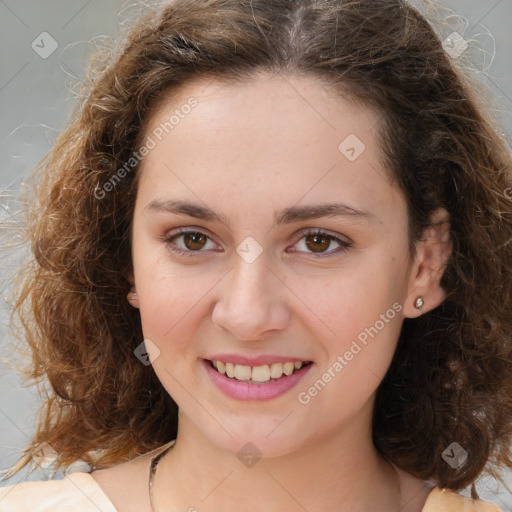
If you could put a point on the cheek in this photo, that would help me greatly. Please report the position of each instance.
(360, 313)
(364, 324)
(170, 309)
(350, 299)
(169, 300)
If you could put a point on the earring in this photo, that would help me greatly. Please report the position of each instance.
(132, 295)
(419, 303)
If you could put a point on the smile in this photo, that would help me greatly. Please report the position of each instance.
(259, 383)
(257, 374)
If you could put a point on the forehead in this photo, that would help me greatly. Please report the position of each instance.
(270, 141)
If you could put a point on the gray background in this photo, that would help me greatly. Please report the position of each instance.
(35, 99)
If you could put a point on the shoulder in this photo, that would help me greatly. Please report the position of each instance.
(126, 484)
(77, 491)
(447, 500)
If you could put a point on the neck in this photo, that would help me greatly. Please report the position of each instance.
(342, 471)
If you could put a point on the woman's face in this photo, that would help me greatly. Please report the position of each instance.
(257, 165)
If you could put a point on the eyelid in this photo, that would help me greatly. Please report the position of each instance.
(167, 239)
(312, 231)
(344, 242)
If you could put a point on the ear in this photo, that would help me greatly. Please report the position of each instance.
(432, 254)
(132, 297)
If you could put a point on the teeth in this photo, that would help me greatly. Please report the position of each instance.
(261, 373)
(242, 372)
(288, 368)
(230, 369)
(276, 370)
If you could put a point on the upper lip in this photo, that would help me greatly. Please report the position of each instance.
(254, 361)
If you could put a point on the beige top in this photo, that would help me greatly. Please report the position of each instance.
(80, 492)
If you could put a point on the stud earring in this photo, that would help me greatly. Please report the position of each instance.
(419, 303)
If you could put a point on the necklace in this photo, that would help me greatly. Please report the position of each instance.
(152, 471)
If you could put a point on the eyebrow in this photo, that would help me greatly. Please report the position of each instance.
(281, 217)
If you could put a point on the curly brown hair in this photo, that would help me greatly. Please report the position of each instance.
(451, 376)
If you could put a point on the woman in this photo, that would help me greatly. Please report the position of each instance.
(272, 270)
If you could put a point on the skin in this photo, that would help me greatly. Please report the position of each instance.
(246, 151)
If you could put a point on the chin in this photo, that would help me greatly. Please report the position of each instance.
(257, 445)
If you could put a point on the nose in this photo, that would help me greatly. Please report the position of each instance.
(251, 301)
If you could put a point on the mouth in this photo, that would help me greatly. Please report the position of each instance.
(257, 375)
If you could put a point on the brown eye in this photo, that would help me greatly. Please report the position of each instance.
(194, 241)
(318, 243)
(188, 242)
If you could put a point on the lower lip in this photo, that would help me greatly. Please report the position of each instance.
(245, 391)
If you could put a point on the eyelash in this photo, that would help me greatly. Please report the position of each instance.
(344, 246)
